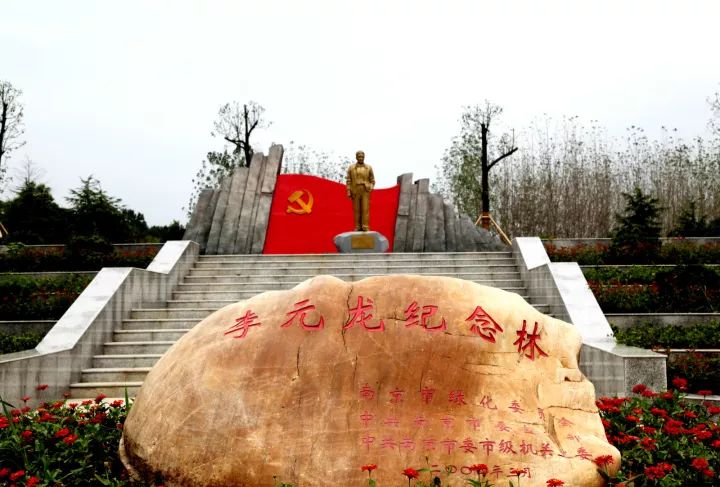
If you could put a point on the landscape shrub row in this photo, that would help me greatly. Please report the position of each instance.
(702, 370)
(39, 298)
(676, 289)
(653, 335)
(664, 440)
(673, 252)
(86, 254)
(18, 343)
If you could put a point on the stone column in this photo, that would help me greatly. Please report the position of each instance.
(403, 212)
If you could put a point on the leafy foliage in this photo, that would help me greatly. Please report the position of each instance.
(44, 298)
(653, 335)
(17, 343)
(21, 258)
(637, 231)
(34, 216)
(458, 177)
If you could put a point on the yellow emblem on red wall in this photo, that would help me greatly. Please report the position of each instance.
(299, 204)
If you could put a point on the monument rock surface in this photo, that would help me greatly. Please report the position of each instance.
(309, 384)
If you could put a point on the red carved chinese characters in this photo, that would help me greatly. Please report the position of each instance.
(474, 423)
(506, 447)
(396, 396)
(420, 422)
(407, 444)
(391, 421)
(426, 394)
(501, 426)
(449, 445)
(361, 314)
(484, 325)
(488, 445)
(515, 406)
(468, 446)
(429, 444)
(367, 393)
(457, 397)
(366, 417)
(527, 342)
(546, 450)
(413, 317)
(368, 440)
(243, 324)
(300, 310)
(486, 402)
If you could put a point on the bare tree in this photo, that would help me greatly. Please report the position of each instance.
(11, 122)
(236, 123)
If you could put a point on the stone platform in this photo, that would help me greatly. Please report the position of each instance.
(361, 242)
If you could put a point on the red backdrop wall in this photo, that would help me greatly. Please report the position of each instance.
(300, 231)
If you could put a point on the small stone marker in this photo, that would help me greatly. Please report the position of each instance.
(309, 384)
(359, 242)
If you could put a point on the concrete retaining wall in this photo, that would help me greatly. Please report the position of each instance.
(70, 345)
(613, 369)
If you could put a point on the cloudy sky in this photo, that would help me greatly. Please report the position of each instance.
(127, 91)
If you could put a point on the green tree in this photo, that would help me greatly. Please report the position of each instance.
(33, 216)
(95, 213)
(235, 124)
(11, 123)
(163, 233)
(463, 174)
(636, 236)
(691, 223)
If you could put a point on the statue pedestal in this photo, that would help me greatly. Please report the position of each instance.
(361, 242)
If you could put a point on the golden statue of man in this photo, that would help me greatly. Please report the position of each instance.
(360, 181)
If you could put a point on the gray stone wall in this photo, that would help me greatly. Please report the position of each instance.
(425, 223)
(233, 218)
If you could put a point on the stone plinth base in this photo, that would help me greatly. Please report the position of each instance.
(361, 242)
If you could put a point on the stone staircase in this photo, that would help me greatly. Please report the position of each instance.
(218, 280)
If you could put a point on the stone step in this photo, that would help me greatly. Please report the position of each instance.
(368, 270)
(110, 389)
(126, 360)
(217, 303)
(164, 313)
(289, 284)
(409, 256)
(149, 335)
(119, 374)
(130, 348)
(235, 296)
(355, 263)
(159, 324)
(354, 276)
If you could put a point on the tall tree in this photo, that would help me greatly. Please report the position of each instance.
(96, 213)
(301, 159)
(236, 123)
(464, 173)
(33, 216)
(11, 123)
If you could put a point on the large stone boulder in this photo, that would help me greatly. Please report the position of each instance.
(309, 384)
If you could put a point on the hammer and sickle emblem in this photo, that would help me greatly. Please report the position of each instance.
(302, 206)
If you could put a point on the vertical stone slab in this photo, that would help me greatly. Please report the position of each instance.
(423, 191)
(409, 236)
(466, 235)
(450, 238)
(200, 214)
(232, 211)
(204, 226)
(401, 221)
(218, 216)
(435, 224)
(253, 180)
(273, 164)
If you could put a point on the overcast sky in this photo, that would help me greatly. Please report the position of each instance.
(127, 91)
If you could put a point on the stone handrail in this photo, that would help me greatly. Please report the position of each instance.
(81, 332)
(614, 369)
